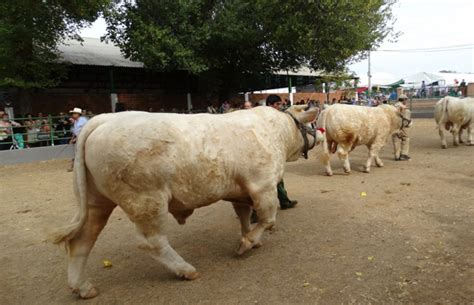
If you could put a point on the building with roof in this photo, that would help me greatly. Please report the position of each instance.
(99, 77)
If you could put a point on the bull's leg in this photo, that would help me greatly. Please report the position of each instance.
(265, 204)
(327, 163)
(378, 161)
(243, 211)
(460, 136)
(326, 157)
(456, 135)
(374, 150)
(470, 136)
(80, 246)
(343, 154)
(441, 135)
(396, 146)
(150, 228)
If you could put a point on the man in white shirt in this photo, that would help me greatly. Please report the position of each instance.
(79, 122)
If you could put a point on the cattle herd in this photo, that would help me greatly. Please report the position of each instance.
(160, 163)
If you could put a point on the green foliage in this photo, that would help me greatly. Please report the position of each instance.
(30, 31)
(227, 41)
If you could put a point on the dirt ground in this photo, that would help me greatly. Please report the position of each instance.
(409, 241)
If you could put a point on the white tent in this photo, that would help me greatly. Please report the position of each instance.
(417, 78)
(378, 79)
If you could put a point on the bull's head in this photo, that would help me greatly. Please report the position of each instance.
(304, 116)
(405, 114)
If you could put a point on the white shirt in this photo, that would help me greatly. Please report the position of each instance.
(78, 124)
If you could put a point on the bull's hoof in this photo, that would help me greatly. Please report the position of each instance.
(245, 245)
(329, 174)
(380, 165)
(347, 171)
(87, 292)
(366, 170)
(92, 293)
(444, 146)
(190, 275)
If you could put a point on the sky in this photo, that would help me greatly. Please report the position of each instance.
(423, 24)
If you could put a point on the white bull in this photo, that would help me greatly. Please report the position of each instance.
(349, 126)
(152, 164)
(455, 115)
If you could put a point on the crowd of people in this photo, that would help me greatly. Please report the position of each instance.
(40, 130)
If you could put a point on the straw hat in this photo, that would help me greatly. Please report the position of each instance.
(76, 110)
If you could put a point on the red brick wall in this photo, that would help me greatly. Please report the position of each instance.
(299, 96)
(53, 103)
(142, 101)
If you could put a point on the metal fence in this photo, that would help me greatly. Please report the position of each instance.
(430, 92)
(23, 133)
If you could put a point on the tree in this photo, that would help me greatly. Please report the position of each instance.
(30, 31)
(228, 41)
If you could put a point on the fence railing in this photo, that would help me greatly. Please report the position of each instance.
(430, 92)
(22, 133)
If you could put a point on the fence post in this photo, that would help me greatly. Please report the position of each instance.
(51, 130)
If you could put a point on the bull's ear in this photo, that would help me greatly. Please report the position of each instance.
(308, 116)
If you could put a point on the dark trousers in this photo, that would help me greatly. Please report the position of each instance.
(5, 144)
(282, 194)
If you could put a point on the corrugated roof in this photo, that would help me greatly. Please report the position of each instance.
(93, 52)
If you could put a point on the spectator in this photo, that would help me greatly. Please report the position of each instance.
(211, 109)
(32, 130)
(6, 131)
(463, 88)
(247, 105)
(63, 129)
(423, 89)
(224, 107)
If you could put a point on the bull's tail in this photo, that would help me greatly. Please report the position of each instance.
(66, 233)
(322, 124)
(444, 111)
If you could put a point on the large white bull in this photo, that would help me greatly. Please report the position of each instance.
(455, 115)
(349, 126)
(152, 164)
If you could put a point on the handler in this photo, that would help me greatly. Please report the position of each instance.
(401, 139)
(275, 101)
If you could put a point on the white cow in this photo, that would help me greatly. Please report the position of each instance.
(150, 164)
(349, 126)
(455, 115)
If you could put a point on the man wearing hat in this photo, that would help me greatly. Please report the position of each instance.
(79, 122)
(401, 139)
